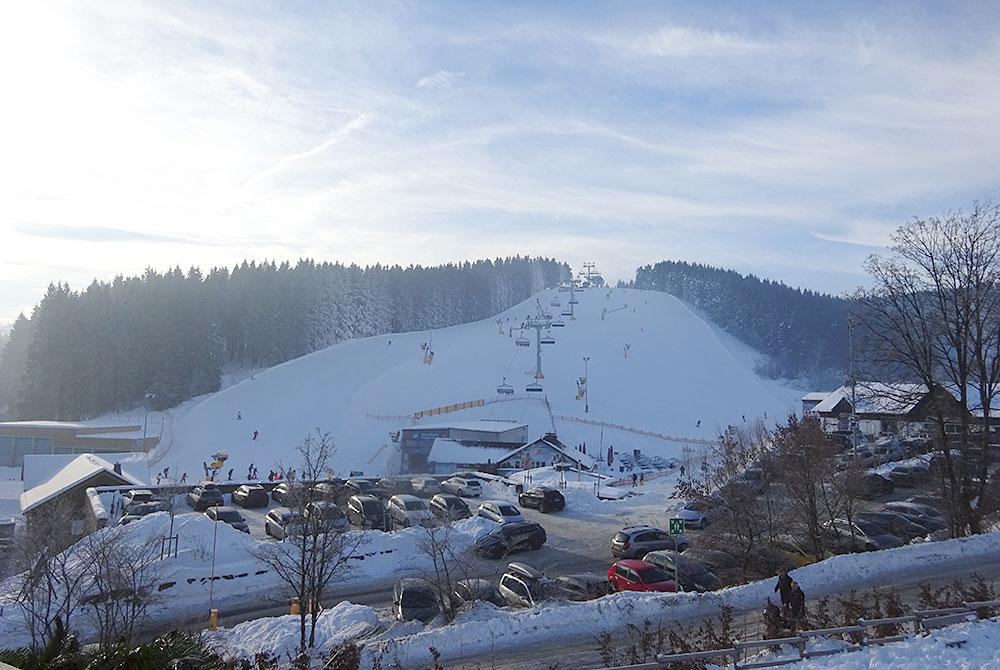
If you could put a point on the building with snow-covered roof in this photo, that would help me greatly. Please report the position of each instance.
(19, 438)
(66, 490)
(416, 442)
(880, 408)
(810, 400)
(545, 451)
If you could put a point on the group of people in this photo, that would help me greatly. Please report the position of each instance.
(792, 613)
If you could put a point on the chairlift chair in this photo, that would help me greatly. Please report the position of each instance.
(505, 388)
(547, 339)
(534, 387)
(574, 301)
(558, 323)
(555, 302)
(522, 342)
(566, 313)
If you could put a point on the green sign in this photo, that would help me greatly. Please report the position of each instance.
(676, 526)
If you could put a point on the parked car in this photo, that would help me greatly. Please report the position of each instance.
(448, 507)
(542, 498)
(698, 513)
(204, 496)
(284, 492)
(910, 476)
(582, 587)
(891, 523)
(332, 490)
(915, 509)
(637, 541)
(875, 485)
(281, 522)
(136, 496)
(521, 585)
(692, 575)
(409, 510)
(393, 486)
(466, 487)
(472, 590)
(632, 574)
(510, 537)
(325, 515)
(141, 509)
(228, 515)
(414, 599)
(500, 512)
(839, 532)
(367, 511)
(425, 486)
(250, 496)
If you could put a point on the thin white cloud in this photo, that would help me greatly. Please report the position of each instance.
(440, 80)
(682, 42)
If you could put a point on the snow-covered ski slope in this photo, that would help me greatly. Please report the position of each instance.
(679, 371)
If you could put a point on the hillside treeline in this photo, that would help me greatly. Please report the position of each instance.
(803, 333)
(166, 336)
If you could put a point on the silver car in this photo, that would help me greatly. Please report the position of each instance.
(637, 541)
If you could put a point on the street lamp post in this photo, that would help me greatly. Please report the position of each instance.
(586, 385)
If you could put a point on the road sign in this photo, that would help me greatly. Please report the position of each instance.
(676, 526)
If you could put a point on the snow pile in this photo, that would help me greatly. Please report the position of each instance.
(922, 461)
(681, 378)
(564, 620)
(280, 635)
(969, 645)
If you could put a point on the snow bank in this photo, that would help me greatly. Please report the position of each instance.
(969, 645)
(280, 635)
(562, 620)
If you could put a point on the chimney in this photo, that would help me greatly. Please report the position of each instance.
(118, 468)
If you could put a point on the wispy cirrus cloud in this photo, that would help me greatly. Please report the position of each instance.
(440, 80)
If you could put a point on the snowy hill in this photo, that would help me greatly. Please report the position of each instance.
(679, 371)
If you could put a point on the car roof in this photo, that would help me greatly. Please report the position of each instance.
(445, 496)
(638, 529)
(405, 497)
(134, 491)
(251, 487)
(524, 570)
(364, 497)
(584, 578)
(635, 564)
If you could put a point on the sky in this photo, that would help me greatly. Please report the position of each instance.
(783, 139)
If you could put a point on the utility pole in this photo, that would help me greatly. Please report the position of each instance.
(853, 382)
(586, 386)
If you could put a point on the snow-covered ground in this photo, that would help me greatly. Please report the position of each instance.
(966, 646)
(680, 371)
(554, 621)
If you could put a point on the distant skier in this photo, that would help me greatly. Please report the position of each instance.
(255, 434)
(744, 418)
(184, 477)
(390, 343)
(230, 477)
(239, 416)
(698, 425)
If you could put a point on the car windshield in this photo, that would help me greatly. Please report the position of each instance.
(144, 508)
(471, 482)
(690, 568)
(252, 489)
(454, 503)
(695, 506)
(508, 510)
(229, 516)
(417, 598)
(621, 537)
(363, 484)
(371, 507)
(653, 575)
(415, 506)
(329, 511)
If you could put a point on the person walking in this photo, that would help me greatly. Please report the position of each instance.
(784, 587)
(255, 434)
(184, 477)
(230, 477)
(796, 607)
(682, 471)
(635, 479)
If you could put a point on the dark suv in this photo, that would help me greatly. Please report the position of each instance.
(367, 511)
(542, 498)
(204, 496)
(510, 537)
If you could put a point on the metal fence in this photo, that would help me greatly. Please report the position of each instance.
(741, 655)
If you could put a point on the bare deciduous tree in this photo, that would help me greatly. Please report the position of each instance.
(318, 546)
(932, 316)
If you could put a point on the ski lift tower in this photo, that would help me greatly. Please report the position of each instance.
(539, 325)
(588, 269)
(572, 301)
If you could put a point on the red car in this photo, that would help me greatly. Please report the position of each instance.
(635, 575)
